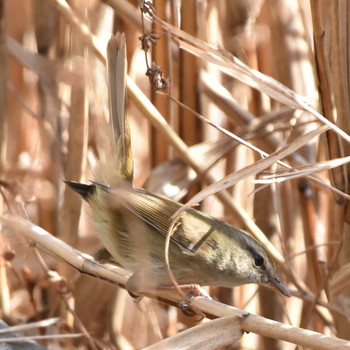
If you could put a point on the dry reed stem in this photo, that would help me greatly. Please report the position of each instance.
(269, 328)
(4, 286)
(190, 128)
(160, 56)
(320, 56)
(76, 156)
(75, 169)
(111, 274)
(204, 336)
(39, 337)
(3, 86)
(56, 247)
(225, 100)
(43, 323)
(252, 169)
(129, 13)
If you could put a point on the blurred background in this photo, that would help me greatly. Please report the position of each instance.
(54, 126)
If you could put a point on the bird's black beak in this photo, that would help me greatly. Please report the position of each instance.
(277, 284)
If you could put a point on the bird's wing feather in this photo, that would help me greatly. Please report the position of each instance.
(157, 212)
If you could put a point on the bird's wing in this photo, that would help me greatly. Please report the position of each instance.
(192, 229)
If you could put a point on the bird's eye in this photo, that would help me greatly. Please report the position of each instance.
(258, 260)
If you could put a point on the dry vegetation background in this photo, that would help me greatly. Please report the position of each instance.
(54, 126)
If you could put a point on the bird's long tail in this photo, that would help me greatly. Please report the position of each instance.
(117, 169)
(119, 166)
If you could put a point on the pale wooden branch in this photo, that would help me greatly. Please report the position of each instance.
(59, 249)
(272, 329)
(248, 322)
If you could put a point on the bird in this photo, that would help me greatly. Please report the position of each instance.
(132, 223)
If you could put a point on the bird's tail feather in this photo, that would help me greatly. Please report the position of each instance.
(119, 165)
(84, 190)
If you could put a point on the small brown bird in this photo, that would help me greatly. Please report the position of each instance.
(203, 250)
(133, 223)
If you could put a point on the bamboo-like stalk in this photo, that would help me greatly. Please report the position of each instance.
(190, 129)
(339, 16)
(76, 155)
(44, 20)
(129, 13)
(320, 59)
(313, 273)
(75, 170)
(3, 87)
(159, 148)
(4, 289)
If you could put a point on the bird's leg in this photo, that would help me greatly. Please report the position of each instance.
(139, 283)
(192, 290)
